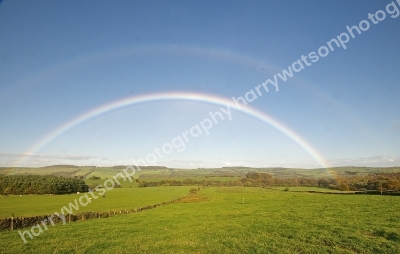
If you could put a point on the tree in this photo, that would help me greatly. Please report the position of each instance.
(380, 187)
(343, 187)
(7, 191)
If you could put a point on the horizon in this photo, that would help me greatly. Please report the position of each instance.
(237, 167)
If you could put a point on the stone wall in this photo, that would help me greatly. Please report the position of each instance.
(25, 222)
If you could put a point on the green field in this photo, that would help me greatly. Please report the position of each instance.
(167, 173)
(302, 188)
(216, 221)
(117, 198)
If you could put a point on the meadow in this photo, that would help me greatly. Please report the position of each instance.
(304, 188)
(216, 221)
(117, 199)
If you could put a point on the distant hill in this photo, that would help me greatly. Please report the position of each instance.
(164, 172)
(147, 167)
(61, 166)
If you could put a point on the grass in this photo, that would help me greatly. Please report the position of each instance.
(215, 221)
(118, 199)
(200, 178)
(124, 184)
(105, 173)
(47, 170)
(109, 172)
(302, 188)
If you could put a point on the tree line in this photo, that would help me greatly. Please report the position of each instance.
(251, 180)
(39, 184)
(378, 182)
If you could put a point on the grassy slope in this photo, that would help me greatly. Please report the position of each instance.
(303, 188)
(222, 179)
(117, 199)
(109, 172)
(268, 222)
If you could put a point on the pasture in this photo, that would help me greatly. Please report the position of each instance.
(216, 221)
(303, 188)
(222, 174)
(117, 198)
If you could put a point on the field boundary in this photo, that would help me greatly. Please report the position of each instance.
(10, 224)
(370, 192)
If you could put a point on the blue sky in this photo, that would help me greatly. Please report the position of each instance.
(61, 59)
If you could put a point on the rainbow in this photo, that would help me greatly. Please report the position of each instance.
(190, 96)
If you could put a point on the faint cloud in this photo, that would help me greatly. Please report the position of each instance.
(250, 161)
(396, 127)
(46, 156)
(190, 164)
(373, 161)
(37, 160)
